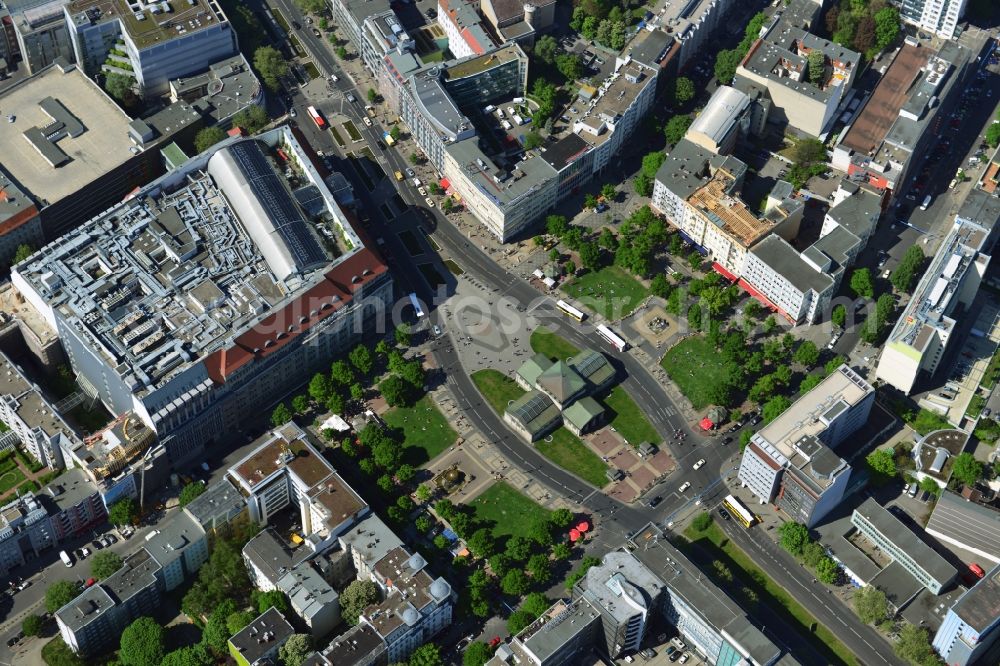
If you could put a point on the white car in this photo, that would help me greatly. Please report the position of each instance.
(367, 121)
(510, 110)
(430, 202)
(698, 464)
(684, 486)
(423, 192)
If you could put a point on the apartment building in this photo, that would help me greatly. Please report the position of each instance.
(698, 192)
(32, 420)
(896, 127)
(727, 117)
(467, 36)
(972, 624)
(695, 24)
(40, 30)
(25, 531)
(518, 21)
(894, 538)
(924, 328)
(151, 42)
(209, 334)
(793, 462)
(258, 643)
(779, 63)
(940, 17)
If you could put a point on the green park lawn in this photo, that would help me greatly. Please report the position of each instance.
(10, 475)
(426, 432)
(610, 291)
(628, 419)
(497, 388)
(510, 512)
(716, 545)
(695, 366)
(567, 451)
(544, 341)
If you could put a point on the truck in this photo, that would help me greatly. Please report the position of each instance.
(64, 556)
(389, 141)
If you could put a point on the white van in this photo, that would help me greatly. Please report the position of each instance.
(64, 556)
(926, 202)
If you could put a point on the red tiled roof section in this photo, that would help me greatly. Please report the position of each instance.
(19, 219)
(766, 458)
(279, 328)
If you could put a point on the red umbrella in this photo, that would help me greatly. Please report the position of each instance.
(574, 534)
(583, 526)
(706, 423)
(90, 581)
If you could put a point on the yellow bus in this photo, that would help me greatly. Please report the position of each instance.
(740, 512)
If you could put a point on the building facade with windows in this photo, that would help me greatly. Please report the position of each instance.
(25, 531)
(940, 17)
(972, 624)
(792, 460)
(186, 335)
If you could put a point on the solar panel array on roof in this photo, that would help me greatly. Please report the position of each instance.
(532, 408)
(284, 215)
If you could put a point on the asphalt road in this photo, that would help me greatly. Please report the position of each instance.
(864, 641)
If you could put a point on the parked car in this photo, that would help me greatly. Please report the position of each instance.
(655, 501)
(684, 486)
(699, 464)
(726, 440)
(724, 514)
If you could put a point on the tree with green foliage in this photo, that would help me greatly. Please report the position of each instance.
(660, 286)
(683, 90)
(518, 620)
(870, 604)
(770, 324)
(546, 49)
(106, 562)
(966, 469)
(402, 335)
(806, 354)
(882, 465)
(569, 65)
(515, 583)
(793, 537)
(428, 654)
(281, 415)
(774, 407)
(265, 600)
(216, 631)
(477, 654)
(702, 521)
(676, 128)
(908, 269)
(726, 62)
(335, 403)
(861, 283)
(119, 85)
(914, 645)
(141, 643)
(817, 67)
(886, 27)
(295, 650)
(608, 191)
(341, 373)
(271, 66)
(827, 570)
(355, 598)
(992, 136)
(33, 625)
(22, 252)
(319, 388)
(839, 316)
(58, 594)
(562, 551)
(237, 621)
(300, 404)
(361, 358)
(532, 140)
(123, 512)
(745, 438)
(208, 137)
(252, 119)
(928, 485)
(539, 568)
(812, 553)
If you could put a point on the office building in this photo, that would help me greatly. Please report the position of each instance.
(779, 63)
(792, 460)
(464, 28)
(937, 16)
(226, 88)
(217, 507)
(358, 646)
(32, 421)
(152, 42)
(25, 531)
(924, 328)
(897, 125)
(67, 156)
(967, 524)
(285, 470)
(40, 30)
(698, 192)
(614, 605)
(893, 537)
(258, 643)
(311, 598)
(209, 334)
(972, 623)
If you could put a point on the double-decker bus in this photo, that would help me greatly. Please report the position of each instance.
(317, 118)
(570, 311)
(739, 511)
(416, 305)
(612, 338)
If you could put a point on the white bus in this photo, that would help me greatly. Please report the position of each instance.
(416, 305)
(570, 311)
(612, 338)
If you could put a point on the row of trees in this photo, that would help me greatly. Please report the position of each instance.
(727, 60)
(908, 270)
(610, 27)
(866, 26)
(913, 642)
(795, 538)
